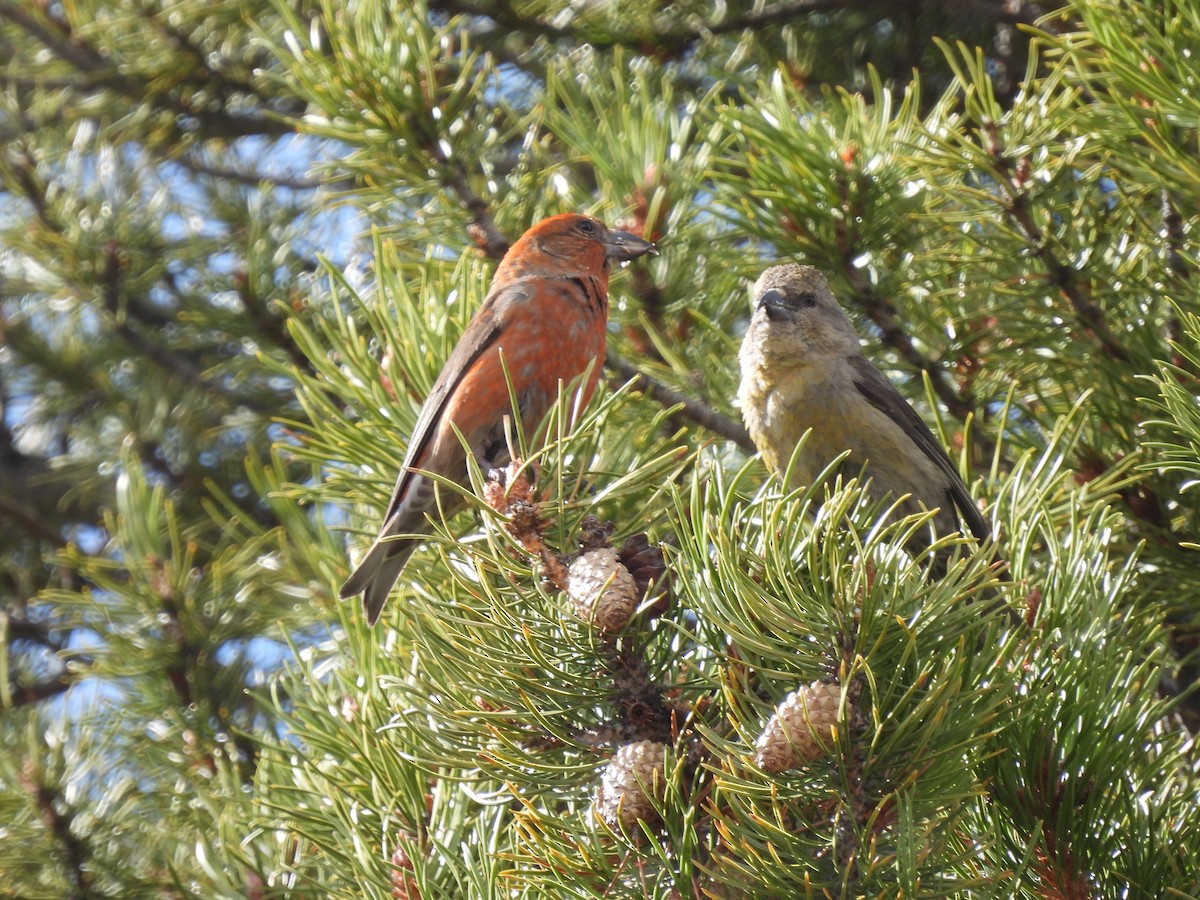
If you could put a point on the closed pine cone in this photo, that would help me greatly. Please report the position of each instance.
(632, 781)
(601, 589)
(801, 728)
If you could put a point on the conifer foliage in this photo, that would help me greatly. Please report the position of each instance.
(239, 240)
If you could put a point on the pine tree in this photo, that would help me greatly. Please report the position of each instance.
(795, 705)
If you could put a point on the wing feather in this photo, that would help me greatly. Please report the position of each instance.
(882, 394)
(481, 333)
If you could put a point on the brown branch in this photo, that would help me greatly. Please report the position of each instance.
(270, 325)
(960, 405)
(700, 413)
(24, 500)
(33, 190)
(21, 629)
(482, 228)
(55, 35)
(175, 634)
(32, 694)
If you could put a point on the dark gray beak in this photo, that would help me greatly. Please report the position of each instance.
(774, 305)
(623, 246)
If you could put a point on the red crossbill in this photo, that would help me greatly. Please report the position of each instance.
(803, 368)
(543, 321)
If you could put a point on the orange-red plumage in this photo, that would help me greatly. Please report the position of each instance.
(545, 316)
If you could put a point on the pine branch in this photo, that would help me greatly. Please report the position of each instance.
(645, 716)
(32, 694)
(24, 499)
(121, 309)
(1064, 277)
(962, 406)
(700, 413)
(1176, 263)
(257, 179)
(31, 520)
(270, 326)
(200, 60)
(482, 228)
(171, 361)
(883, 316)
(53, 33)
(674, 42)
(48, 802)
(17, 629)
(33, 189)
(182, 650)
(175, 363)
(58, 37)
(188, 668)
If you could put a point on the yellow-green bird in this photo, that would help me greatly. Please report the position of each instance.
(803, 367)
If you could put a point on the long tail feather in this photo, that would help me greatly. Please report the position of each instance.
(379, 569)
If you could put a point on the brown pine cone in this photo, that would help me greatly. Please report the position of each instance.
(633, 780)
(404, 885)
(646, 564)
(601, 589)
(801, 728)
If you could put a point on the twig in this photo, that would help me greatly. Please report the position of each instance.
(482, 229)
(268, 324)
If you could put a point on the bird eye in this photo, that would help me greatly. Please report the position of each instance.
(804, 300)
(587, 226)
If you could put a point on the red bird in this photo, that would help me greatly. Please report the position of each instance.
(545, 315)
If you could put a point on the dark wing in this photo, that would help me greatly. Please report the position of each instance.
(481, 332)
(883, 395)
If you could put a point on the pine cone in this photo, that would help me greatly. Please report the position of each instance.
(601, 589)
(631, 783)
(404, 885)
(791, 737)
(648, 567)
